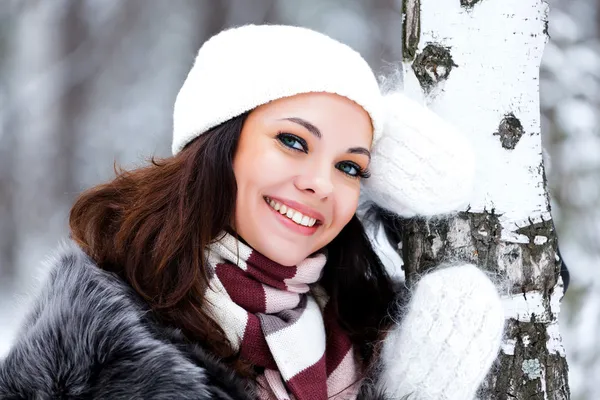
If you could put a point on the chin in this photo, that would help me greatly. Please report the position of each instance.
(287, 259)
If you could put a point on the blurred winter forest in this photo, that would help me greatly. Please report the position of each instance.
(85, 84)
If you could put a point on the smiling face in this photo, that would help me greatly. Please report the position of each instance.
(298, 167)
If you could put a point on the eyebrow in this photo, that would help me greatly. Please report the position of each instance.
(360, 150)
(315, 131)
(307, 125)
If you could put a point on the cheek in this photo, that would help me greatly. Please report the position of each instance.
(346, 202)
(248, 165)
(260, 170)
(245, 178)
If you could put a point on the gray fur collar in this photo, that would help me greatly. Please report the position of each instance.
(90, 336)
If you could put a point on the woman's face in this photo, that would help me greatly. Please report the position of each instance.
(298, 168)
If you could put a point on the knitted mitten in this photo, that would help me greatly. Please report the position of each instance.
(421, 164)
(448, 339)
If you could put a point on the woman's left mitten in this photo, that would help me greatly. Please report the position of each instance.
(448, 338)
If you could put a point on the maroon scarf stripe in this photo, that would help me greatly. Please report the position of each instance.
(338, 341)
(310, 383)
(255, 348)
(268, 272)
(243, 290)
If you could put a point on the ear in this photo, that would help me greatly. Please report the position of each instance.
(420, 165)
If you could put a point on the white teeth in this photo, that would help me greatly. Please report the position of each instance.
(297, 218)
(274, 204)
(292, 214)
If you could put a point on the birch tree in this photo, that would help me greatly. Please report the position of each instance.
(476, 63)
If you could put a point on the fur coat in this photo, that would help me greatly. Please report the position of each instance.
(89, 336)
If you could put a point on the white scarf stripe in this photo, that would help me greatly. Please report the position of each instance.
(223, 308)
(277, 301)
(293, 355)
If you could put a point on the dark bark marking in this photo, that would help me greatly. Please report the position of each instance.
(545, 20)
(485, 232)
(519, 376)
(419, 234)
(533, 254)
(411, 25)
(417, 237)
(542, 172)
(544, 228)
(433, 65)
(510, 131)
(468, 3)
(420, 254)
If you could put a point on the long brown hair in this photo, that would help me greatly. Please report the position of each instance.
(151, 226)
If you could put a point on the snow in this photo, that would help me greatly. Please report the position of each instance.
(496, 74)
(526, 307)
(508, 347)
(554, 343)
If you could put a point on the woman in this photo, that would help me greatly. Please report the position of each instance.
(238, 268)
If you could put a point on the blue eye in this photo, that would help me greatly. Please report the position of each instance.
(352, 170)
(348, 168)
(293, 142)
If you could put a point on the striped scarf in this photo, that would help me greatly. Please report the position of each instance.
(269, 316)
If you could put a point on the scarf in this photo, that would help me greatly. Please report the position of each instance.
(269, 316)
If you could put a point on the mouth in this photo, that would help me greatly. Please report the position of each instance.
(293, 215)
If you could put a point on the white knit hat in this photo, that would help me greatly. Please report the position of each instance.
(420, 164)
(242, 68)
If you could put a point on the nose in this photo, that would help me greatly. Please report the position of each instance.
(316, 180)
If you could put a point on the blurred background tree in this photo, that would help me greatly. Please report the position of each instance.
(84, 84)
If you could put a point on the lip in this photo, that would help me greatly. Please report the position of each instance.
(294, 227)
(309, 212)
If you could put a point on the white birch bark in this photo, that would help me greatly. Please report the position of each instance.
(476, 63)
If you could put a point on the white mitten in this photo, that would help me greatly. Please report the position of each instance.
(420, 165)
(448, 339)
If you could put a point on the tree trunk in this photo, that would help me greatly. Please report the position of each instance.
(476, 63)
